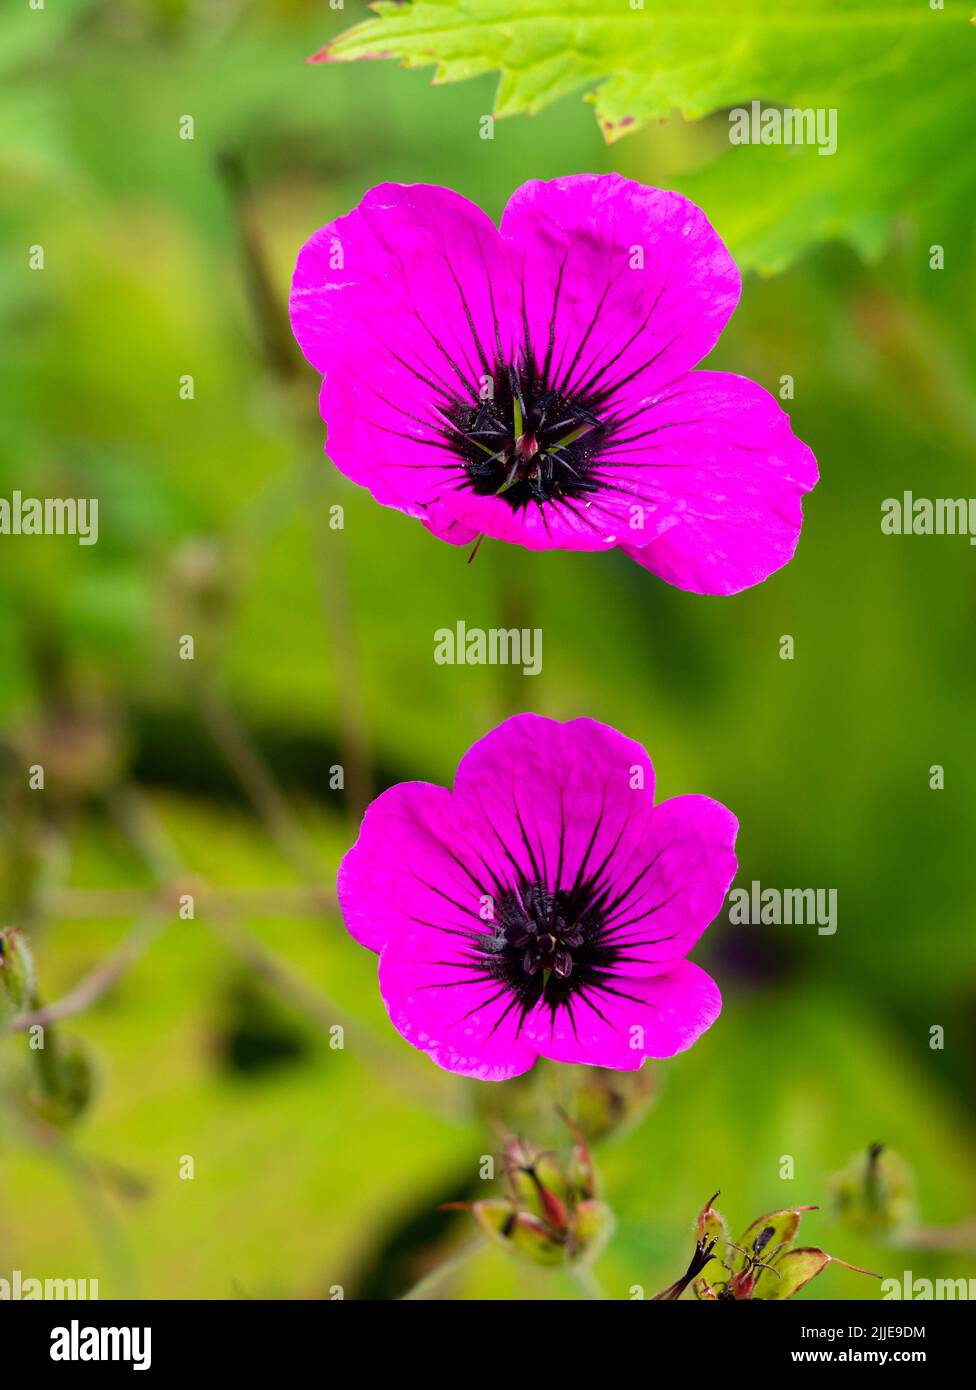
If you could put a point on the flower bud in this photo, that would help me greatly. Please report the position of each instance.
(602, 1103)
(16, 970)
(592, 1229)
(873, 1194)
(606, 1102)
(551, 1214)
(536, 1240)
(66, 1080)
(537, 1182)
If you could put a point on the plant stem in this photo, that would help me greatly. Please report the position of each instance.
(101, 979)
(258, 782)
(588, 1282)
(143, 828)
(425, 1286)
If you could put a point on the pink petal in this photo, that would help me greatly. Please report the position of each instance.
(674, 884)
(467, 1024)
(629, 1019)
(552, 819)
(563, 526)
(597, 325)
(411, 869)
(601, 321)
(557, 801)
(606, 293)
(717, 475)
(396, 304)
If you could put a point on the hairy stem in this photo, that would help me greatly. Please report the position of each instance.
(425, 1286)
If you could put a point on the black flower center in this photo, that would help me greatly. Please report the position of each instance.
(525, 441)
(547, 944)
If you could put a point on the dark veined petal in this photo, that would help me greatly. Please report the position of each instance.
(624, 287)
(411, 868)
(534, 385)
(466, 1021)
(562, 802)
(622, 1021)
(403, 305)
(543, 906)
(672, 886)
(715, 478)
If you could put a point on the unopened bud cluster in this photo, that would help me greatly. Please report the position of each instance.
(551, 1213)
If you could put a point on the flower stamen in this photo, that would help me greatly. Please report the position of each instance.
(532, 460)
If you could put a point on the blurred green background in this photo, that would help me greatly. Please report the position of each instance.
(318, 1166)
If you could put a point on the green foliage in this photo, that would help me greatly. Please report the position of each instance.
(899, 74)
(317, 1166)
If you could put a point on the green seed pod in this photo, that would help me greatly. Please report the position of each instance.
(873, 1194)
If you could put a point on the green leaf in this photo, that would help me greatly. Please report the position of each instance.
(899, 76)
(782, 1227)
(795, 1269)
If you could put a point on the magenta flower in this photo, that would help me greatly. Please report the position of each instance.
(544, 907)
(535, 383)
